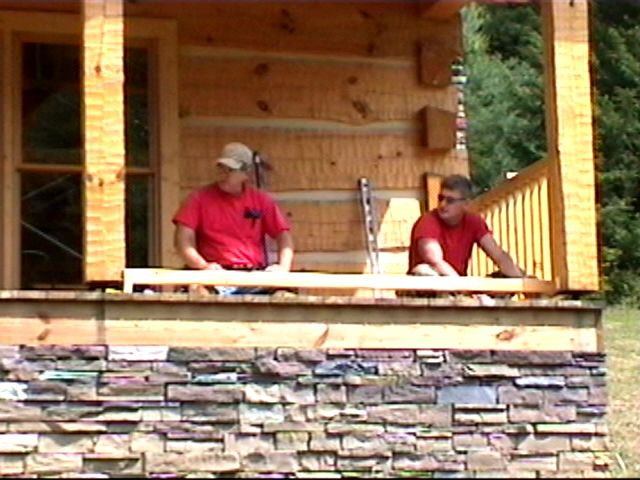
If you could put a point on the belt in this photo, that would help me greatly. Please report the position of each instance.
(244, 268)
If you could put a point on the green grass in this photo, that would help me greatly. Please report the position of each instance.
(622, 345)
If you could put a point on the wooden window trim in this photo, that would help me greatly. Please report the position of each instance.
(161, 35)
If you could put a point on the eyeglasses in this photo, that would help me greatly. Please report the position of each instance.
(449, 200)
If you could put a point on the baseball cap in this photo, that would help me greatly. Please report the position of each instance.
(236, 156)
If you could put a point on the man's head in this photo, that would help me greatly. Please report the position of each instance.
(235, 163)
(455, 192)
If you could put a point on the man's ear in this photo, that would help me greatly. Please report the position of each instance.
(471, 206)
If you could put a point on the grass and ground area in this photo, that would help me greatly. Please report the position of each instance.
(622, 343)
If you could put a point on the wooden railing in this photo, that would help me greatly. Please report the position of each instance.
(517, 211)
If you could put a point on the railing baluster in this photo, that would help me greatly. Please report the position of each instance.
(517, 212)
(546, 230)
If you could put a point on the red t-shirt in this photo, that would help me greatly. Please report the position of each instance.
(230, 228)
(456, 242)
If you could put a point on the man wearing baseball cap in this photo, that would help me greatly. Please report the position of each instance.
(222, 225)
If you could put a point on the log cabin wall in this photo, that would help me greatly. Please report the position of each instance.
(328, 93)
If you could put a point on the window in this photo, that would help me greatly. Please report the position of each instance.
(51, 163)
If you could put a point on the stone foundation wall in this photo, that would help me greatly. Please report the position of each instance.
(172, 412)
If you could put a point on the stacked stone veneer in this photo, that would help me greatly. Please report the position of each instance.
(158, 411)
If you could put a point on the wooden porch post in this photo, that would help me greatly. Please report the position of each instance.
(104, 141)
(570, 144)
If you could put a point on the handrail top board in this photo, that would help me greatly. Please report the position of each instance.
(166, 276)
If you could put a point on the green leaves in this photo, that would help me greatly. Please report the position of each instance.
(504, 94)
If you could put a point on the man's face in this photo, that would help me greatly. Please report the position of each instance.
(230, 176)
(451, 206)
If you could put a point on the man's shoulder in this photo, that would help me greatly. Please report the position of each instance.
(259, 194)
(474, 218)
(202, 193)
(428, 217)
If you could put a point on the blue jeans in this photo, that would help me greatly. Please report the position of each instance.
(230, 291)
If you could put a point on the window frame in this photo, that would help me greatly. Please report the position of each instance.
(160, 38)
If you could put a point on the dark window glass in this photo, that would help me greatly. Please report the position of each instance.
(137, 107)
(51, 104)
(139, 194)
(51, 231)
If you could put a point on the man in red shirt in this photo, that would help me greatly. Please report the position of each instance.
(442, 239)
(222, 225)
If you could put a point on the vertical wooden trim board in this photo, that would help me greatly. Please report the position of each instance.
(10, 230)
(570, 145)
(104, 141)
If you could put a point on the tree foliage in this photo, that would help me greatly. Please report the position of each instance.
(616, 30)
(504, 98)
(504, 95)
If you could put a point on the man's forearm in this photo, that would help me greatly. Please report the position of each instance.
(285, 251)
(444, 269)
(285, 258)
(508, 267)
(193, 259)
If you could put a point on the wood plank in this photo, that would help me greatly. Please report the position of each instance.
(521, 240)
(545, 228)
(436, 60)
(569, 124)
(441, 9)
(104, 139)
(157, 276)
(529, 231)
(42, 5)
(339, 225)
(267, 87)
(350, 261)
(432, 190)
(368, 29)
(439, 129)
(166, 40)
(10, 193)
(313, 161)
(538, 233)
(241, 334)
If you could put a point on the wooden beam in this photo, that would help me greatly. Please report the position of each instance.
(570, 144)
(439, 129)
(432, 190)
(72, 318)
(10, 201)
(299, 335)
(436, 58)
(160, 276)
(104, 140)
(441, 9)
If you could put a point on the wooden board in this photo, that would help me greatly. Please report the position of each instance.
(439, 128)
(158, 276)
(318, 160)
(300, 335)
(316, 88)
(350, 261)
(339, 225)
(346, 28)
(104, 139)
(569, 124)
(72, 318)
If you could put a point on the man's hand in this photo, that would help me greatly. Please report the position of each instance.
(213, 266)
(276, 267)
